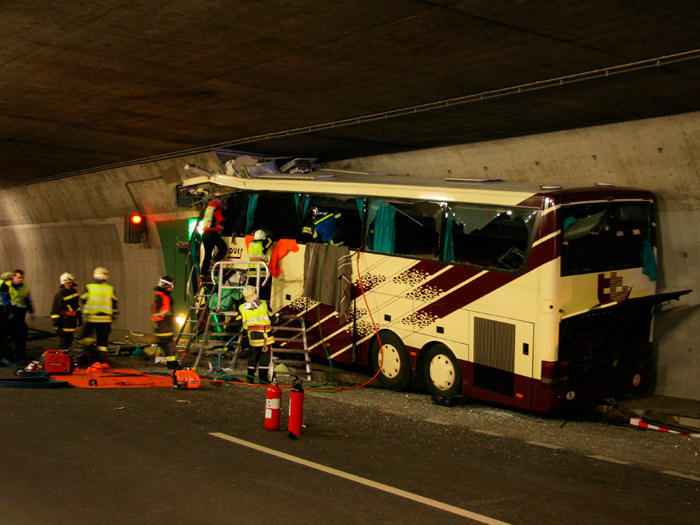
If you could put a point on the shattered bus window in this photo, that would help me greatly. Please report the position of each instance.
(489, 237)
(604, 236)
(405, 227)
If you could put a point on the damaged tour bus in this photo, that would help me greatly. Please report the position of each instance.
(533, 297)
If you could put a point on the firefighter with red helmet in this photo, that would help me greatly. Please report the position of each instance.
(162, 318)
(66, 314)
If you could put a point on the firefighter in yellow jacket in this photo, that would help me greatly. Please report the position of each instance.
(162, 318)
(99, 310)
(258, 328)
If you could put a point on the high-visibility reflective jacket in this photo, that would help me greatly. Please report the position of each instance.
(213, 217)
(256, 253)
(18, 296)
(162, 315)
(256, 321)
(99, 303)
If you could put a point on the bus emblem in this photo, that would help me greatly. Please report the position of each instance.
(610, 289)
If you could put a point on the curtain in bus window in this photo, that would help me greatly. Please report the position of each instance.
(381, 217)
(449, 253)
(649, 261)
(361, 207)
(250, 212)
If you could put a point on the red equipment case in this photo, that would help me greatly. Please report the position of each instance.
(56, 362)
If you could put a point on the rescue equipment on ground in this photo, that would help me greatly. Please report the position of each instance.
(296, 409)
(272, 407)
(56, 362)
(101, 375)
(186, 380)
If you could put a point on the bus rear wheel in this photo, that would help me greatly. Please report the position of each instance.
(442, 373)
(396, 366)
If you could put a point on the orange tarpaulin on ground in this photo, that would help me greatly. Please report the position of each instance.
(103, 376)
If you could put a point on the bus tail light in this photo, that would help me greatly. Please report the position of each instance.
(555, 374)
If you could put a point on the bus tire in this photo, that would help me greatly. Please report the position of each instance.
(396, 366)
(442, 373)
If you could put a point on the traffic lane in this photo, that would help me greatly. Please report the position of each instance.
(497, 477)
(485, 474)
(108, 456)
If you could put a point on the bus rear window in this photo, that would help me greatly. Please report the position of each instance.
(604, 236)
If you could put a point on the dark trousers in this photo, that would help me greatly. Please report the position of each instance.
(256, 357)
(66, 339)
(102, 333)
(17, 329)
(210, 240)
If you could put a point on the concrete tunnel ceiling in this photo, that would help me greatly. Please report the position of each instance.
(86, 84)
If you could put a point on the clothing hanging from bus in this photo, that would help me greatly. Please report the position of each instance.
(327, 273)
(282, 248)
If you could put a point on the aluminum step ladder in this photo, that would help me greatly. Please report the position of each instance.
(290, 348)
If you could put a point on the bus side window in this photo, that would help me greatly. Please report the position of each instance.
(345, 211)
(494, 238)
(404, 228)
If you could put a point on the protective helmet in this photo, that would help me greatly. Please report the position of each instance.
(100, 273)
(166, 282)
(250, 294)
(259, 235)
(6, 276)
(67, 278)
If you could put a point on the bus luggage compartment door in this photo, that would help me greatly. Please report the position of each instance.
(502, 358)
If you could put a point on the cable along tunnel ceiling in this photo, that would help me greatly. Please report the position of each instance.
(92, 84)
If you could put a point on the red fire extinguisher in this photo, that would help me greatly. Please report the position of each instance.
(272, 407)
(296, 409)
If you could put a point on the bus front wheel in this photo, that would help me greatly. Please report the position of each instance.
(395, 365)
(443, 375)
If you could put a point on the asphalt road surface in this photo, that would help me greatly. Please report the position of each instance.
(160, 455)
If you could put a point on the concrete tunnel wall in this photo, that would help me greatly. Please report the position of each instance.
(76, 223)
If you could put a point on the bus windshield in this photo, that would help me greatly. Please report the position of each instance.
(600, 237)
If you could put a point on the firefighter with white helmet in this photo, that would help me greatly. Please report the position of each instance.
(258, 328)
(66, 314)
(162, 318)
(99, 304)
(257, 253)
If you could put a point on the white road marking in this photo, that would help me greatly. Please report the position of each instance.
(545, 445)
(363, 481)
(611, 460)
(680, 475)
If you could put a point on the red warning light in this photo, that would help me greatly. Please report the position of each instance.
(136, 219)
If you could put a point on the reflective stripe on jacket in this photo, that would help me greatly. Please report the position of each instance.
(256, 322)
(100, 302)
